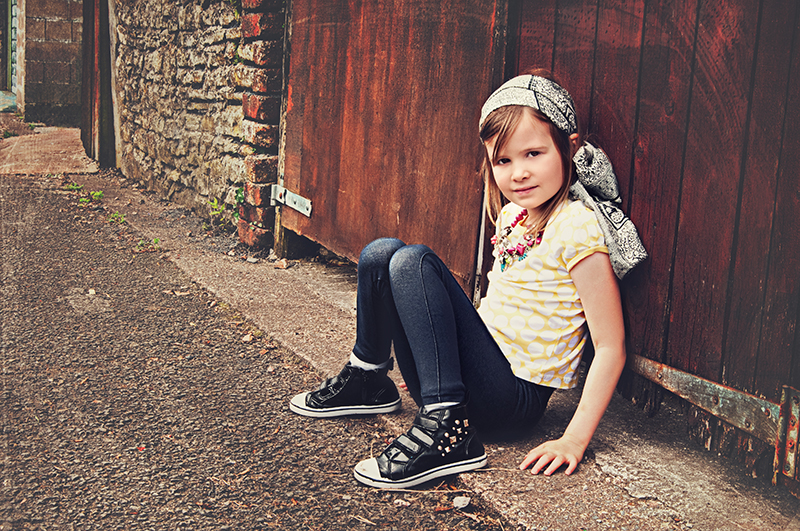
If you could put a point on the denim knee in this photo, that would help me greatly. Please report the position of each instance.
(378, 253)
(407, 260)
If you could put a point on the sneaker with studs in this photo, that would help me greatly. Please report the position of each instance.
(439, 443)
(354, 391)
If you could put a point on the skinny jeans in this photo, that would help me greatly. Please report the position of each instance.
(408, 298)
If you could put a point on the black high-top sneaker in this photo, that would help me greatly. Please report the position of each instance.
(439, 443)
(354, 391)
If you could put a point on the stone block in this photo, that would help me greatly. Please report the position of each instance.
(262, 169)
(58, 30)
(262, 25)
(261, 108)
(212, 36)
(263, 135)
(77, 31)
(263, 53)
(253, 236)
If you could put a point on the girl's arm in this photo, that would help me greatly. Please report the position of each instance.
(599, 293)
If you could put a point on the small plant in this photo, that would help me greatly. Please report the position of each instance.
(239, 200)
(72, 187)
(145, 246)
(116, 217)
(7, 134)
(97, 196)
(83, 201)
(217, 208)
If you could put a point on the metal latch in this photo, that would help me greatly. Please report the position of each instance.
(786, 454)
(279, 194)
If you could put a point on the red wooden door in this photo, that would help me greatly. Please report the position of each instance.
(696, 103)
(381, 122)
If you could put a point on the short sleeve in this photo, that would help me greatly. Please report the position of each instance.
(584, 236)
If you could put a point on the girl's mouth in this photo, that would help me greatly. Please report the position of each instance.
(523, 191)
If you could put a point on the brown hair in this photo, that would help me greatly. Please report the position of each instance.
(502, 123)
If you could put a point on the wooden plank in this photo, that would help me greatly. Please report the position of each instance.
(616, 80)
(669, 35)
(779, 348)
(389, 121)
(756, 209)
(537, 28)
(721, 87)
(573, 59)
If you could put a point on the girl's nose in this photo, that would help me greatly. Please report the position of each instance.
(520, 173)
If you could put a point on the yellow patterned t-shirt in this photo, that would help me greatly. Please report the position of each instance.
(532, 308)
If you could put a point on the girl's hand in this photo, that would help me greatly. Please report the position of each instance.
(555, 453)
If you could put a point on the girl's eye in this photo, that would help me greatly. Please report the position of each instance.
(500, 162)
(534, 153)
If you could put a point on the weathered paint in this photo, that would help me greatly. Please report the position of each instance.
(381, 131)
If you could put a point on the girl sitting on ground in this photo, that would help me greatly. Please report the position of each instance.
(487, 370)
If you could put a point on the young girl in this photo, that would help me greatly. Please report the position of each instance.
(491, 369)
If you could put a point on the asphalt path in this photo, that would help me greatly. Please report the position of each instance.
(132, 398)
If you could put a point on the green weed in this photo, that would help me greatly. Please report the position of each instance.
(116, 217)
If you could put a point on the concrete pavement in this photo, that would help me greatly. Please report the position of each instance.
(640, 473)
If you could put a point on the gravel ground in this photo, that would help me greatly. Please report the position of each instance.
(132, 399)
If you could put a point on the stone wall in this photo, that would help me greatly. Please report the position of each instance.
(183, 71)
(53, 61)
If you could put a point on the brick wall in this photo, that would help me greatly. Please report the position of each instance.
(53, 61)
(186, 73)
(262, 77)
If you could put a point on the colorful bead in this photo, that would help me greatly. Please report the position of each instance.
(508, 253)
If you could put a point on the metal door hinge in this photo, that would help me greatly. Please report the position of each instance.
(279, 194)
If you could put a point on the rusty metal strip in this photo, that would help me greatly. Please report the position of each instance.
(786, 447)
(749, 413)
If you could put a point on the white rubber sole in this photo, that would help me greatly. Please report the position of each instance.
(298, 405)
(367, 472)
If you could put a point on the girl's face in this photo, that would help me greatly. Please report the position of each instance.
(528, 170)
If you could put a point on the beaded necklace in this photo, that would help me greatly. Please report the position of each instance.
(509, 253)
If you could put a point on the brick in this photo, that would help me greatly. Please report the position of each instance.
(263, 53)
(261, 169)
(58, 30)
(257, 194)
(57, 73)
(76, 10)
(263, 5)
(263, 218)
(253, 236)
(261, 25)
(35, 29)
(53, 51)
(262, 135)
(52, 9)
(34, 72)
(261, 108)
(267, 80)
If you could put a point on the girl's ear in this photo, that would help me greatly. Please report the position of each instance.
(573, 140)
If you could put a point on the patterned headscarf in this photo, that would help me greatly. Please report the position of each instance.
(597, 185)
